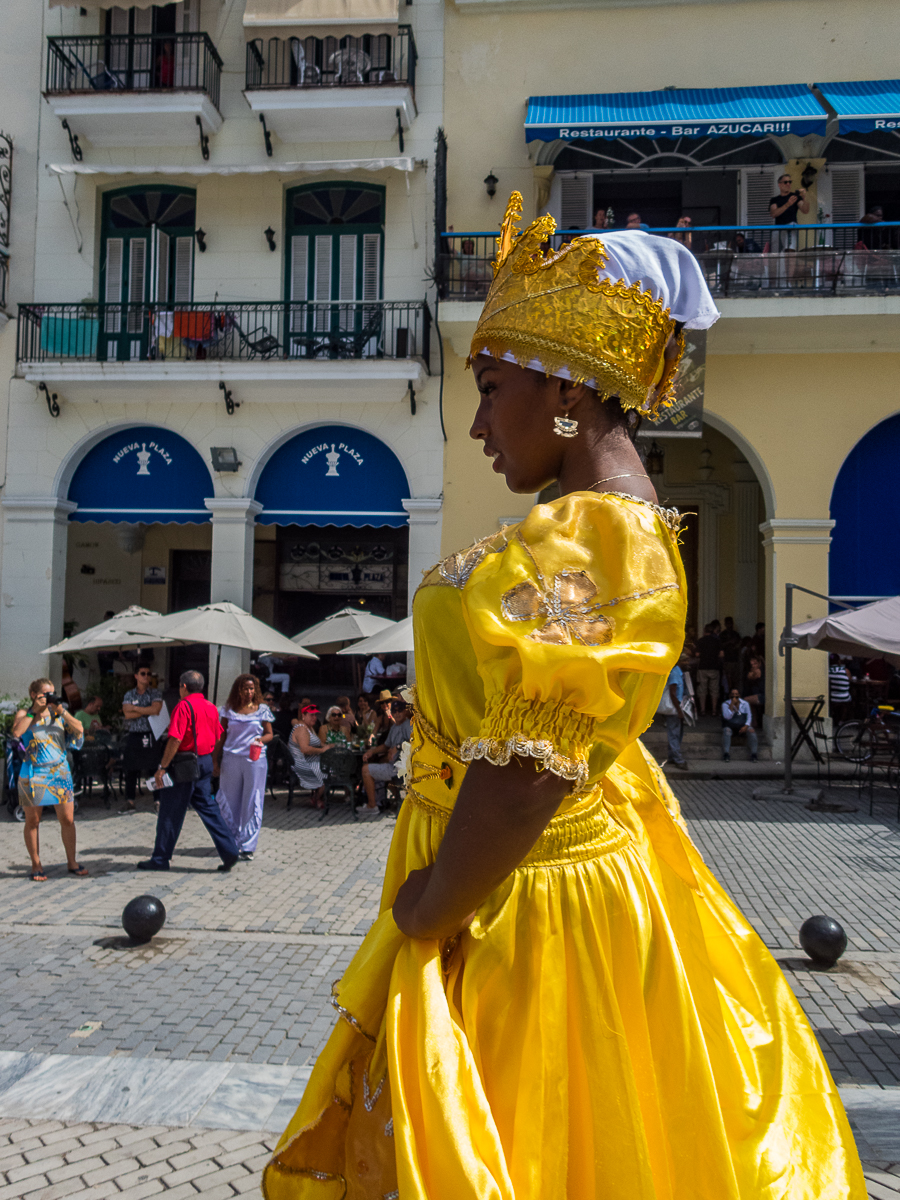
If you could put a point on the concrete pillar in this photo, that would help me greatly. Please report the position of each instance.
(33, 587)
(796, 550)
(424, 538)
(233, 520)
(425, 518)
(745, 491)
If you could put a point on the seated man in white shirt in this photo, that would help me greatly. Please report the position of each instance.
(374, 674)
(737, 718)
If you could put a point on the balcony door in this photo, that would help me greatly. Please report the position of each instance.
(146, 256)
(142, 62)
(334, 245)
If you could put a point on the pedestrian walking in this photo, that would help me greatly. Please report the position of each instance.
(46, 731)
(241, 763)
(670, 707)
(140, 754)
(188, 757)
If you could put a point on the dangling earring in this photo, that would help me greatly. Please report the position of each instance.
(565, 427)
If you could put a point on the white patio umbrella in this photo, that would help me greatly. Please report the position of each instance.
(120, 630)
(874, 627)
(346, 625)
(388, 641)
(223, 624)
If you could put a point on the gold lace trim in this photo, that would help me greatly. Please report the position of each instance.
(456, 569)
(500, 752)
(346, 1014)
(670, 517)
(443, 744)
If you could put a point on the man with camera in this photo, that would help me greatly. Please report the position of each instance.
(783, 210)
(187, 759)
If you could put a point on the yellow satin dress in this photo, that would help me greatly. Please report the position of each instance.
(609, 1027)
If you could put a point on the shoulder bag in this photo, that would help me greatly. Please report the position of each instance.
(185, 766)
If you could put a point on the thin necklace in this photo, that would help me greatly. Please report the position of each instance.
(610, 478)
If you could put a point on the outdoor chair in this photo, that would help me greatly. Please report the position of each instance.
(92, 763)
(278, 767)
(349, 66)
(341, 772)
(824, 743)
(303, 71)
(259, 343)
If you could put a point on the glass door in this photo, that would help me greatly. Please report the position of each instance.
(335, 238)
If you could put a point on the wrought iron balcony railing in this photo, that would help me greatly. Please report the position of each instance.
(4, 279)
(139, 62)
(737, 260)
(365, 61)
(364, 329)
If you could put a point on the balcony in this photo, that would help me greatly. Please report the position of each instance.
(299, 340)
(136, 89)
(738, 261)
(334, 89)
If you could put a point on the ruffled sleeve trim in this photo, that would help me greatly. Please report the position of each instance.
(555, 735)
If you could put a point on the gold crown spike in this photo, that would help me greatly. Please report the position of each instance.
(554, 308)
(508, 230)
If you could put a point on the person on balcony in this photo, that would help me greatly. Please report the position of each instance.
(783, 210)
(686, 237)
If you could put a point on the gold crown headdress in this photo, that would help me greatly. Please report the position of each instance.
(557, 310)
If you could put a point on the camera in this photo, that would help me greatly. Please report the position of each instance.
(54, 698)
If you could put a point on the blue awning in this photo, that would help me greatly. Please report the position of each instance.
(333, 475)
(683, 112)
(143, 475)
(864, 106)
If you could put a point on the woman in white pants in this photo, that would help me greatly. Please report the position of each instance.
(240, 759)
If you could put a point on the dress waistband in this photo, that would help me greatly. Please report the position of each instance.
(436, 771)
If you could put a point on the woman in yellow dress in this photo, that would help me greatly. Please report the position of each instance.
(558, 1001)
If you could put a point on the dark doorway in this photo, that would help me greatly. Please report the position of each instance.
(690, 556)
(191, 576)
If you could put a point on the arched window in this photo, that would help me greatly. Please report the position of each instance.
(146, 254)
(334, 247)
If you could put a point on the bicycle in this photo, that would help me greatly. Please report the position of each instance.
(858, 740)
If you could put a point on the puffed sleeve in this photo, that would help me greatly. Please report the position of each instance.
(575, 626)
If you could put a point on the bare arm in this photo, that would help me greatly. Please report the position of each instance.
(23, 720)
(132, 710)
(499, 815)
(267, 733)
(301, 737)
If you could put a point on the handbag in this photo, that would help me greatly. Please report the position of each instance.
(185, 766)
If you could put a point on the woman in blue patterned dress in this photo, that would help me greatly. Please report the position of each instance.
(45, 731)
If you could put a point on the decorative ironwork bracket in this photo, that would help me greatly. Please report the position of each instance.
(400, 130)
(412, 397)
(230, 403)
(52, 399)
(6, 151)
(266, 134)
(204, 140)
(77, 152)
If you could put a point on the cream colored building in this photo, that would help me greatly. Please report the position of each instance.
(804, 361)
(220, 221)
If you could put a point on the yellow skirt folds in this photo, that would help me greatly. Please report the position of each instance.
(608, 1027)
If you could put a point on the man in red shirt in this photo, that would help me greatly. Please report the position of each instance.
(193, 715)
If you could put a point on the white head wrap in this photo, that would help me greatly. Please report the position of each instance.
(662, 266)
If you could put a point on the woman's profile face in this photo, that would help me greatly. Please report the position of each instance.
(514, 421)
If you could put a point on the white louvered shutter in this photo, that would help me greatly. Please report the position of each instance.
(347, 277)
(159, 286)
(847, 201)
(576, 194)
(113, 297)
(299, 290)
(142, 54)
(757, 189)
(137, 283)
(322, 282)
(184, 270)
(371, 265)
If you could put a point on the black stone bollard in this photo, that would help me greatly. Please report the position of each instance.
(142, 917)
(823, 939)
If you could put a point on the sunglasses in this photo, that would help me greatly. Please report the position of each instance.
(147, 673)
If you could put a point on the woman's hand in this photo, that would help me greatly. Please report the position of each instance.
(407, 901)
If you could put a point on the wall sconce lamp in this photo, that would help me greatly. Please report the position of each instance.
(809, 174)
(490, 183)
(224, 458)
(270, 237)
(656, 460)
(200, 235)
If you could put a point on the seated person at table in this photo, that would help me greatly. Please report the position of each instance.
(737, 718)
(380, 762)
(89, 716)
(383, 718)
(332, 733)
(374, 674)
(348, 720)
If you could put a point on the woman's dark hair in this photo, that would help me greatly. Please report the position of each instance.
(234, 696)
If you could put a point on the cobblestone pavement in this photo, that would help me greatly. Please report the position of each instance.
(240, 976)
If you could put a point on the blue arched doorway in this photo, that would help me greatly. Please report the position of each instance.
(864, 562)
(334, 495)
